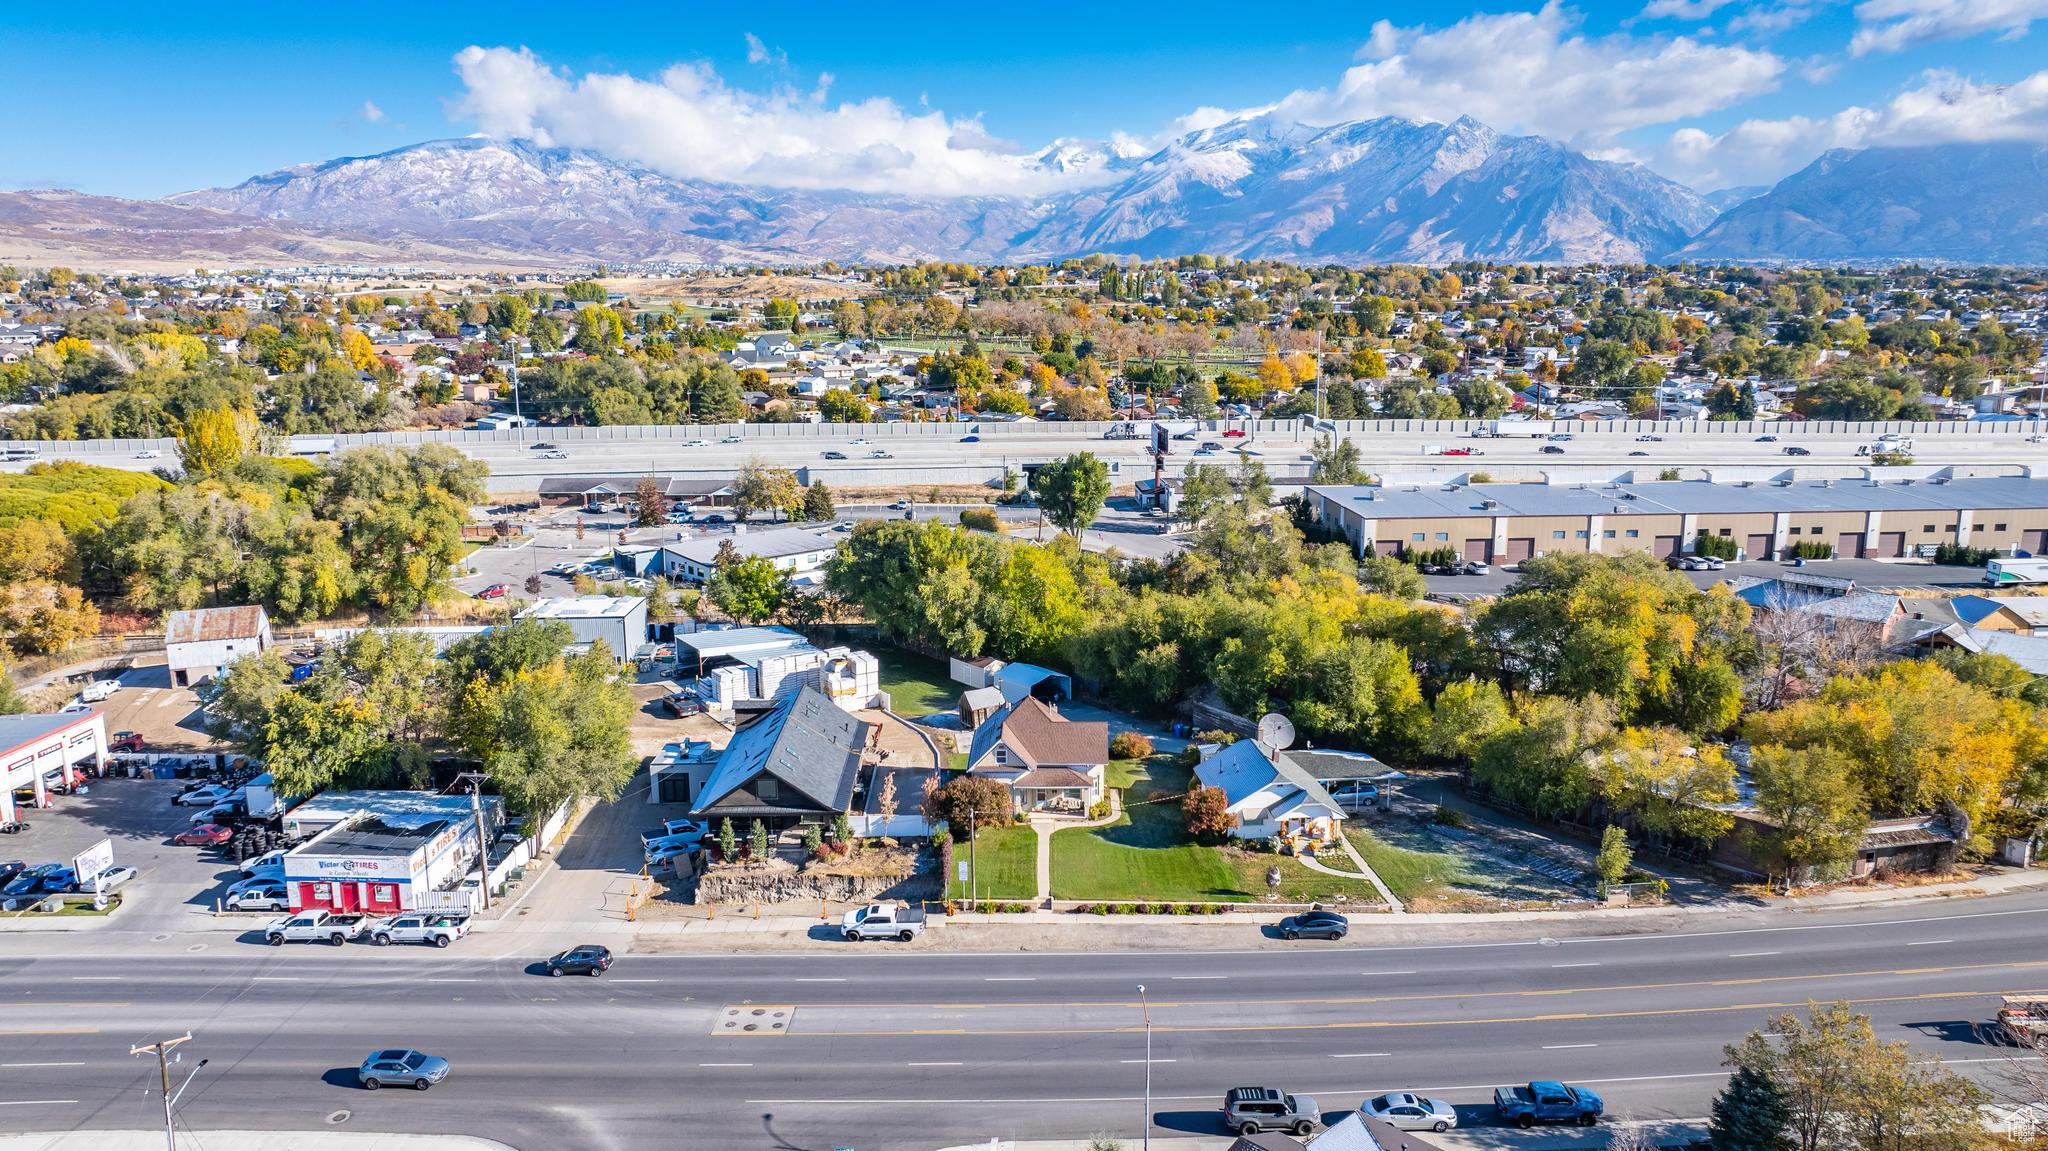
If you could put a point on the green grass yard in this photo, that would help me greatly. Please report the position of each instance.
(1006, 859)
(917, 685)
(1410, 875)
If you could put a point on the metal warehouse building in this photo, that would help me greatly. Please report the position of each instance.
(1508, 523)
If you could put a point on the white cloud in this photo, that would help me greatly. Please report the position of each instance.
(1534, 72)
(1944, 108)
(1895, 25)
(1770, 19)
(687, 122)
(372, 113)
(759, 53)
(1681, 9)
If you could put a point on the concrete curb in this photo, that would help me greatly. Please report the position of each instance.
(250, 1141)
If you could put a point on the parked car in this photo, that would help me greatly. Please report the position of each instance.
(205, 835)
(495, 591)
(1250, 1110)
(1546, 1101)
(1356, 794)
(1685, 563)
(109, 880)
(440, 930)
(125, 741)
(74, 709)
(882, 921)
(1315, 925)
(266, 896)
(835, 455)
(227, 812)
(99, 689)
(313, 927)
(1476, 567)
(674, 827)
(1408, 1112)
(270, 862)
(9, 868)
(402, 1068)
(1714, 563)
(683, 703)
(34, 883)
(583, 959)
(273, 878)
(1795, 450)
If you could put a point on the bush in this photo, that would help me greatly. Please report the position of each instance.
(1439, 557)
(1716, 547)
(988, 799)
(1207, 812)
(1813, 550)
(1099, 809)
(1961, 555)
(1450, 817)
(1129, 745)
(981, 520)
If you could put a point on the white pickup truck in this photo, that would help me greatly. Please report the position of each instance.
(882, 921)
(437, 928)
(313, 927)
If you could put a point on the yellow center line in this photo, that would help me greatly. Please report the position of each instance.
(1377, 1024)
(1341, 1001)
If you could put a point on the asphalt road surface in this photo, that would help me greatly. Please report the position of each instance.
(920, 454)
(917, 1050)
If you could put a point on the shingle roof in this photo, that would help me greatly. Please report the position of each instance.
(806, 741)
(203, 625)
(1052, 777)
(1038, 735)
(1241, 769)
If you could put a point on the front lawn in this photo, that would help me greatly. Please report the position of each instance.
(917, 684)
(1410, 875)
(1006, 860)
(1148, 856)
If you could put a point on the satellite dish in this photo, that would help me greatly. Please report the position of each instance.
(1276, 731)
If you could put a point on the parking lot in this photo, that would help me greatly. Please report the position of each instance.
(168, 717)
(172, 883)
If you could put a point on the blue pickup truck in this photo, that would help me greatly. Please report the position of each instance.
(1546, 1101)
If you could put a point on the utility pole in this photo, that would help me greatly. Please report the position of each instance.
(475, 780)
(973, 872)
(1146, 1004)
(162, 1050)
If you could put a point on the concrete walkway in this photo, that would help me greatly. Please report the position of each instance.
(1365, 872)
(1045, 825)
(248, 1141)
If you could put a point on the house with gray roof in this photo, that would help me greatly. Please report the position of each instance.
(1268, 794)
(798, 762)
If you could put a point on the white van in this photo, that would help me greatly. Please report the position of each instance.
(99, 689)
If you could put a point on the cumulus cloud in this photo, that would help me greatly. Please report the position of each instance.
(1895, 25)
(1681, 9)
(1535, 72)
(372, 113)
(1941, 109)
(1770, 19)
(687, 122)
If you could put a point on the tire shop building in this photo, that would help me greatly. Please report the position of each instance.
(1508, 523)
(381, 852)
(46, 752)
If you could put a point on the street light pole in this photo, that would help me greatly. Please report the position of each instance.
(162, 1050)
(476, 779)
(1146, 1130)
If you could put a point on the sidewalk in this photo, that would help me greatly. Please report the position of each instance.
(248, 1141)
(1655, 1132)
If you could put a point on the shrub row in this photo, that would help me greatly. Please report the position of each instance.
(1152, 909)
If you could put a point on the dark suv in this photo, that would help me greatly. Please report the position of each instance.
(588, 959)
(1250, 1110)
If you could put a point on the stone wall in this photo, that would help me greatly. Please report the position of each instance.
(781, 882)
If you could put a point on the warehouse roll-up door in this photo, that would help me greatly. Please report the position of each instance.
(1891, 545)
(1849, 545)
(1667, 545)
(1759, 547)
(1519, 550)
(1479, 551)
(2034, 541)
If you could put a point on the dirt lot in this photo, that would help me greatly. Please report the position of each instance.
(173, 883)
(168, 717)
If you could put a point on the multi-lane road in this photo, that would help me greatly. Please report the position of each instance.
(868, 1048)
(945, 453)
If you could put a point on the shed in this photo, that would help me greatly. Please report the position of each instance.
(977, 704)
(200, 644)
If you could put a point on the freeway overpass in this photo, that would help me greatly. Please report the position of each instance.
(942, 453)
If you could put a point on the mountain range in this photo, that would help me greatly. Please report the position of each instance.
(1381, 190)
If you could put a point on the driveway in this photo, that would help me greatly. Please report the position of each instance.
(168, 717)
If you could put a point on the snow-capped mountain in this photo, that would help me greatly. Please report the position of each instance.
(1961, 203)
(1384, 189)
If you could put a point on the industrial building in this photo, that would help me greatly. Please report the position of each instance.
(201, 643)
(1508, 523)
(45, 753)
(620, 622)
(748, 667)
(381, 852)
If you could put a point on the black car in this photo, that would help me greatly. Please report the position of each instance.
(1797, 451)
(586, 959)
(9, 868)
(1314, 925)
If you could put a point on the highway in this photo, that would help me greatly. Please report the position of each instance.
(939, 453)
(879, 1048)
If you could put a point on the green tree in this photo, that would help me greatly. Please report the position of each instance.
(1072, 491)
(1335, 461)
(1464, 716)
(757, 840)
(1612, 862)
(840, 406)
(966, 801)
(599, 331)
(553, 734)
(749, 590)
(212, 443)
(1815, 812)
(401, 512)
(1750, 1115)
(759, 487)
(1387, 576)
(818, 506)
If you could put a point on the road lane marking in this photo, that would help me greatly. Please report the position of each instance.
(1567, 1046)
(1753, 954)
(1148, 1061)
(1363, 1055)
(95, 978)
(636, 981)
(451, 981)
(931, 1065)
(275, 979)
(1386, 973)
(839, 979)
(1010, 979)
(1929, 942)
(1555, 966)
(1183, 977)
(725, 1065)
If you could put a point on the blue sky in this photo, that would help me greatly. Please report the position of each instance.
(145, 100)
